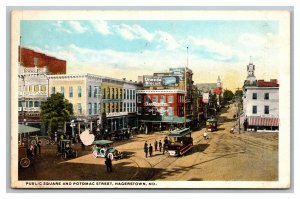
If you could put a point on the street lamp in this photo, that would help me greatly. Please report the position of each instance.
(72, 125)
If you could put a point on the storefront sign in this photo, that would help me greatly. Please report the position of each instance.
(161, 80)
(155, 104)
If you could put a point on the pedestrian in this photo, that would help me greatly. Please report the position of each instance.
(150, 150)
(35, 149)
(55, 136)
(165, 144)
(108, 164)
(39, 147)
(160, 145)
(205, 135)
(146, 149)
(155, 145)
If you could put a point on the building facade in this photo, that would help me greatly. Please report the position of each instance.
(32, 91)
(160, 109)
(93, 95)
(260, 103)
(30, 59)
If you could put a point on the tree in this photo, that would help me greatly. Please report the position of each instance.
(228, 95)
(55, 111)
(238, 93)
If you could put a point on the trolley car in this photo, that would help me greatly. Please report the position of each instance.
(179, 142)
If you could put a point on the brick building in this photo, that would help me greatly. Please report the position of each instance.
(160, 109)
(29, 58)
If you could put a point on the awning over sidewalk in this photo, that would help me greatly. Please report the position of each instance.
(263, 121)
(27, 129)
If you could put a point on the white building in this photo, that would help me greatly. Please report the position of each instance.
(260, 102)
(32, 91)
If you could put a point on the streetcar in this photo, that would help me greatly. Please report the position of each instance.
(179, 142)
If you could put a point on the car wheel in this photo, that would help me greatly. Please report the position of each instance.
(24, 162)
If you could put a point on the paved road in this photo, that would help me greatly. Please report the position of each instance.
(224, 156)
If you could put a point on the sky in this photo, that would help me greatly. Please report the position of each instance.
(132, 48)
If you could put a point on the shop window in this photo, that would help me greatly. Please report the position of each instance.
(139, 112)
(140, 99)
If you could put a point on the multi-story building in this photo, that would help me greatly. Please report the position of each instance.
(160, 109)
(30, 59)
(260, 102)
(32, 91)
(92, 95)
(176, 79)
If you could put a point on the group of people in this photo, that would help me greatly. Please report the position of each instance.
(157, 146)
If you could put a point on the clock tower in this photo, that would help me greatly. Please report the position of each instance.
(251, 79)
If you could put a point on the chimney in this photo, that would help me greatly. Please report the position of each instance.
(273, 81)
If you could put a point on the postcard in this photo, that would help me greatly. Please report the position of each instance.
(150, 99)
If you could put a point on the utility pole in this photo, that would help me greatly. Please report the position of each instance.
(185, 86)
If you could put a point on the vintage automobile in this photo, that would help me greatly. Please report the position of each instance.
(104, 148)
(24, 156)
(212, 124)
(65, 150)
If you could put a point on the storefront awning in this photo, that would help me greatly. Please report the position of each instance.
(27, 129)
(263, 121)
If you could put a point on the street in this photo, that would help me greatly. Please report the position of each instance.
(224, 156)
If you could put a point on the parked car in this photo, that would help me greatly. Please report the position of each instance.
(65, 150)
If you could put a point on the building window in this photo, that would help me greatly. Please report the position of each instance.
(162, 99)
(95, 108)
(131, 107)
(170, 99)
(254, 96)
(36, 104)
(53, 90)
(30, 88)
(43, 88)
(90, 108)
(79, 91)
(128, 107)
(108, 93)
(62, 90)
(134, 109)
(117, 107)
(89, 91)
(79, 108)
(254, 109)
(133, 93)
(267, 110)
(130, 94)
(139, 112)
(108, 107)
(95, 91)
(125, 104)
(113, 94)
(140, 99)
(267, 96)
(99, 108)
(124, 93)
(36, 88)
(127, 94)
(121, 107)
(147, 99)
(117, 93)
(170, 111)
(162, 110)
(104, 107)
(71, 91)
(113, 107)
(155, 98)
(104, 93)
(121, 93)
(35, 61)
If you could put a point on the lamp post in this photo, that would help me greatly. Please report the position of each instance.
(72, 126)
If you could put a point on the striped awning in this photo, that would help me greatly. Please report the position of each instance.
(263, 121)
